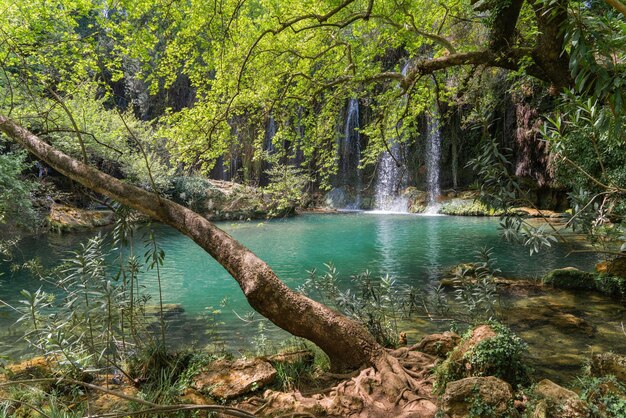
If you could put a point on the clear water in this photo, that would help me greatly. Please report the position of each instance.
(412, 249)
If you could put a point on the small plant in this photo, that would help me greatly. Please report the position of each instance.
(259, 341)
(291, 375)
(376, 303)
(475, 294)
(478, 407)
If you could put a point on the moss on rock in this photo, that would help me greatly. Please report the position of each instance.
(487, 350)
(570, 278)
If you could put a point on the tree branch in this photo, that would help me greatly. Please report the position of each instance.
(617, 5)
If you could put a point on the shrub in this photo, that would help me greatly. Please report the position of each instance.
(605, 395)
(192, 192)
(501, 355)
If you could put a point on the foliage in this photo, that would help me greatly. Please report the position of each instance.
(611, 285)
(15, 190)
(500, 190)
(190, 191)
(586, 132)
(376, 303)
(98, 318)
(606, 396)
(291, 375)
(286, 189)
(476, 289)
(502, 356)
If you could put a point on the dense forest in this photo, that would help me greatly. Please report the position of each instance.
(318, 122)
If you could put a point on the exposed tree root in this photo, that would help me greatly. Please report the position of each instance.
(398, 385)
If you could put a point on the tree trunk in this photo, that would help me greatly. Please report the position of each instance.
(348, 344)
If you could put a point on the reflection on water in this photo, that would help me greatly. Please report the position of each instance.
(411, 249)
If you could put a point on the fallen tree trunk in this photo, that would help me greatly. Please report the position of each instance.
(347, 343)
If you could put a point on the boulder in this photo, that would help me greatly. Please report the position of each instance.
(487, 350)
(603, 364)
(560, 402)
(467, 207)
(227, 379)
(570, 278)
(463, 395)
(438, 344)
(479, 334)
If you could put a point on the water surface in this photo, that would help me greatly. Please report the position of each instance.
(414, 250)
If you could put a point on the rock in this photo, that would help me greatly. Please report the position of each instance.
(438, 344)
(614, 267)
(570, 322)
(34, 368)
(68, 218)
(488, 350)
(417, 199)
(467, 207)
(538, 213)
(192, 396)
(229, 379)
(570, 278)
(105, 402)
(302, 356)
(488, 391)
(603, 364)
(561, 402)
(547, 389)
(479, 334)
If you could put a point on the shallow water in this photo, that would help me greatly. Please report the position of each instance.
(412, 249)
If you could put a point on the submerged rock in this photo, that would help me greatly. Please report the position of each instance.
(560, 317)
(227, 379)
(170, 310)
(462, 395)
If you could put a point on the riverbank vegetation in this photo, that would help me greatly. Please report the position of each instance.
(187, 113)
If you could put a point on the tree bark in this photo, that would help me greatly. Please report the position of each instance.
(348, 344)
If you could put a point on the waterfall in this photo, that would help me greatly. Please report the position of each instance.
(433, 160)
(391, 177)
(350, 153)
(270, 132)
(268, 148)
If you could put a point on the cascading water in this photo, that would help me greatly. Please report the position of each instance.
(391, 178)
(268, 148)
(270, 132)
(433, 160)
(350, 155)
